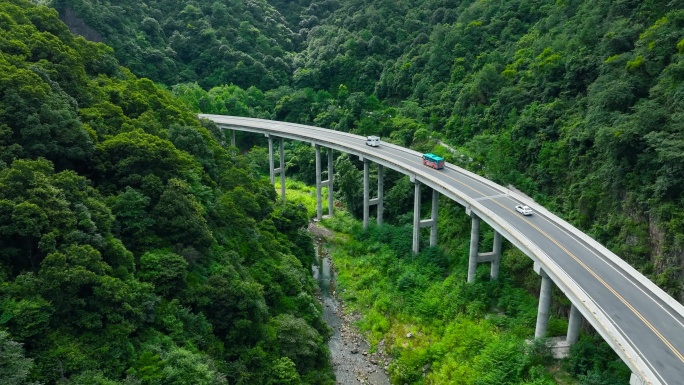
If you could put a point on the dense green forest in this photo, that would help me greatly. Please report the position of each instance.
(535, 84)
(577, 103)
(134, 247)
(247, 43)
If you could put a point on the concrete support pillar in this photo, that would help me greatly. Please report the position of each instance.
(319, 203)
(474, 244)
(381, 193)
(232, 138)
(475, 257)
(574, 322)
(271, 165)
(435, 211)
(416, 217)
(330, 182)
(281, 169)
(366, 193)
(325, 183)
(431, 223)
(367, 201)
(496, 260)
(544, 305)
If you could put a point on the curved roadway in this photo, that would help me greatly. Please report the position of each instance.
(639, 321)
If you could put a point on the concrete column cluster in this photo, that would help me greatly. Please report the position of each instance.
(475, 257)
(575, 317)
(432, 222)
(329, 183)
(367, 201)
(280, 170)
(421, 223)
(416, 217)
(493, 257)
(325, 183)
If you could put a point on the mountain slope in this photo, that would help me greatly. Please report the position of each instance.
(134, 248)
(245, 42)
(576, 102)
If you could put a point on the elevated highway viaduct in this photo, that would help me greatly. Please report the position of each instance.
(643, 324)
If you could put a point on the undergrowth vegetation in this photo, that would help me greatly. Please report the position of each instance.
(439, 329)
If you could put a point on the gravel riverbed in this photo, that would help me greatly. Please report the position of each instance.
(352, 362)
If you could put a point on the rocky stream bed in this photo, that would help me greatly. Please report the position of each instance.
(352, 362)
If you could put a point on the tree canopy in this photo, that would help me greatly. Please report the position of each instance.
(577, 103)
(104, 174)
(134, 246)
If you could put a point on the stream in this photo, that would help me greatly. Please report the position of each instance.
(348, 349)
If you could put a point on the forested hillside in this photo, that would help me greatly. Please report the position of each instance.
(134, 247)
(577, 103)
(248, 43)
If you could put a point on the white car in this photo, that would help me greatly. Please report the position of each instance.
(373, 141)
(523, 209)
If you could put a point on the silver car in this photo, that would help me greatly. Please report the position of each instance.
(523, 209)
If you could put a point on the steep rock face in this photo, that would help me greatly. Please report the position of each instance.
(79, 27)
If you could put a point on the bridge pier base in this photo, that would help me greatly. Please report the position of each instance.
(560, 346)
(544, 303)
(232, 138)
(367, 201)
(326, 183)
(280, 170)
